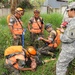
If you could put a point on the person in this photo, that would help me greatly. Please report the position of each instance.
(65, 22)
(35, 26)
(16, 26)
(17, 58)
(49, 49)
(68, 43)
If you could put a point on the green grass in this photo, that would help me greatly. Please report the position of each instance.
(5, 41)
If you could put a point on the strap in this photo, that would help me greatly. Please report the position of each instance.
(18, 21)
(40, 27)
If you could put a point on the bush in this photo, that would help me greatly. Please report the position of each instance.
(25, 4)
(55, 19)
(6, 38)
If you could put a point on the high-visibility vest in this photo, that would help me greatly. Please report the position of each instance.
(36, 26)
(13, 60)
(57, 40)
(17, 54)
(17, 27)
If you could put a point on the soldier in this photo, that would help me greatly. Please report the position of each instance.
(68, 43)
(49, 48)
(15, 26)
(35, 26)
(16, 58)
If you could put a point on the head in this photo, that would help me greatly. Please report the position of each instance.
(19, 12)
(71, 10)
(30, 51)
(48, 27)
(36, 13)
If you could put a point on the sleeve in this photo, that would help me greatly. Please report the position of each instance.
(11, 21)
(52, 36)
(42, 22)
(69, 34)
(31, 20)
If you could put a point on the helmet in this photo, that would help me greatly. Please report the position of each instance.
(47, 25)
(31, 50)
(36, 11)
(19, 9)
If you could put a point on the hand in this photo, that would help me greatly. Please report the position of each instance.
(30, 30)
(14, 36)
(41, 38)
(61, 29)
(32, 69)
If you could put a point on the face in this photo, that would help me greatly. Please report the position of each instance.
(49, 29)
(20, 14)
(71, 13)
(36, 14)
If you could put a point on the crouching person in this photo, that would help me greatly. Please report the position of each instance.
(51, 43)
(16, 58)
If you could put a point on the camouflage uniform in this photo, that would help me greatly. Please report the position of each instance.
(47, 50)
(34, 36)
(68, 48)
(17, 41)
(12, 70)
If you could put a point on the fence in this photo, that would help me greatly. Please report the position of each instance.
(4, 11)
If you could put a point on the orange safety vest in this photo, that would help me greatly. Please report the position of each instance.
(17, 27)
(13, 60)
(15, 52)
(57, 41)
(36, 26)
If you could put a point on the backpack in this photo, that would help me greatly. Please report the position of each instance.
(12, 50)
(57, 40)
(8, 18)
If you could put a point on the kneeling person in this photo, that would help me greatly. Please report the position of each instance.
(17, 58)
(51, 43)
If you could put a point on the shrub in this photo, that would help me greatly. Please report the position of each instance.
(6, 38)
(25, 4)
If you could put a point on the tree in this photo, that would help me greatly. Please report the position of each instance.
(13, 5)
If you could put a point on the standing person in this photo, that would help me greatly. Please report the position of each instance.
(17, 58)
(68, 43)
(15, 26)
(35, 26)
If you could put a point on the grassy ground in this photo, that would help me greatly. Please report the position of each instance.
(5, 41)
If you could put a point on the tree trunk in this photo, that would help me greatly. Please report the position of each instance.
(13, 5)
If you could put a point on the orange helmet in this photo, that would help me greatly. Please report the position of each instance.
(30, 50)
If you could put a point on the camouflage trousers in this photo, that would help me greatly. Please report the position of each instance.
(34, 39)
(12, 70)
(17, 41)
(46, 50)
(66, 56)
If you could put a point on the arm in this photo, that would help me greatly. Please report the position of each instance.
(29, 26)
(26, 69)
(46, 40)
(42, 22)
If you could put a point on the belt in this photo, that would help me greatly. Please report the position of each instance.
(17, 28)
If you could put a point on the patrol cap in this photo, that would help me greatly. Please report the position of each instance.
(36, 11)
(71, 6)
(48, 25)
